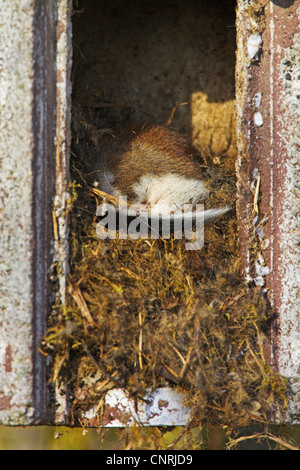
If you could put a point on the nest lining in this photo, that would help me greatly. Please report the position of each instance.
(142, 314)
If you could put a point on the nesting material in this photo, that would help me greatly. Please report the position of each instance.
(142, 314)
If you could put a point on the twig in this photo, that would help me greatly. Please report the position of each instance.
(181, 434)
(262, 436)
(174, 109)
(78, 297)
(100, 367)
(264, 218)
(256, 194)
(186, 362)
(111, 198)
(178, 353)
(140, 340)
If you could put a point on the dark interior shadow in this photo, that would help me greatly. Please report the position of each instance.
(154, 55)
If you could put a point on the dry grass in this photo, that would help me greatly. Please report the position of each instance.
(147, 313)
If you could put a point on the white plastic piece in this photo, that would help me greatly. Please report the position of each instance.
(165, 407)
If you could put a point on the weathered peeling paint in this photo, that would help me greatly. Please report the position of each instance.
(31, 51)
(269, 146)
(289, 358)
(162, 407)
(16, 235)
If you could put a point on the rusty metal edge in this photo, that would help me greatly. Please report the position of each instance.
(62, 413)
(43, 171)
(17, 231)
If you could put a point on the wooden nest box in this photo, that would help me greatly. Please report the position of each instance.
(224, 74)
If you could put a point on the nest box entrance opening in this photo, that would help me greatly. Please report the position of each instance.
(146, 315)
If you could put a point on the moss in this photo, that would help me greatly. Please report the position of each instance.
(147, 313)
